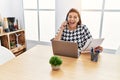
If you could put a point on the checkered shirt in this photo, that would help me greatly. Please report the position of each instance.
(80, 35)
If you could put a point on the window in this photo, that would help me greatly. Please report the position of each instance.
(91, 4)
(92, 21)
(39, 19)
(102, 19)
(46, 4)
(91, 15)
(31, 25)
(111, 30)
(112, 4)
(28, 5)
(47, 32)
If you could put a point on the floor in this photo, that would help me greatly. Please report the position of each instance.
(31, 43)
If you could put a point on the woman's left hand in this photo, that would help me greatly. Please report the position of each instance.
(99, 48)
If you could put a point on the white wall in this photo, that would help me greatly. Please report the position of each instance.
(62, 7)
(12, 8)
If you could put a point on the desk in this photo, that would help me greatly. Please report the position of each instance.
(34, 65)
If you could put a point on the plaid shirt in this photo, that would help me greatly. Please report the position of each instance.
(80, 35)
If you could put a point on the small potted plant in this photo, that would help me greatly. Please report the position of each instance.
(55, 62)
(12, 45)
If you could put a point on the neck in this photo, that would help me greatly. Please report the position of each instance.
(72, 28)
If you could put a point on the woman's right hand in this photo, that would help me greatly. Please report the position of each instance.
(60, 31)
(64, 24)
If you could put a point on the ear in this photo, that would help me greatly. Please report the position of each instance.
(77, 20)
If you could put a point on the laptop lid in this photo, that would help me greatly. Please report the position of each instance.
(65, 48)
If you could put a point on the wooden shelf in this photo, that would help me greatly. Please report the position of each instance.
(10, 37)
(17, 49)
(8, 33)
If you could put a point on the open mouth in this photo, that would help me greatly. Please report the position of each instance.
(71, 23)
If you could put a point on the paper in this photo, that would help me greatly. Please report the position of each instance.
(92, 43)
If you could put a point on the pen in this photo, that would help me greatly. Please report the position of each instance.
(96, 55)
(92, 54)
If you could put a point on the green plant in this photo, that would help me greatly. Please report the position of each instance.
(55, 61)
(12, 44)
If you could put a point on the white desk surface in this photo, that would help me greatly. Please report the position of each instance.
(34, 65)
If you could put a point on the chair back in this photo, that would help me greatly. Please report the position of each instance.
(5, 55)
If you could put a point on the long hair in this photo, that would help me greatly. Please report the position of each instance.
(76, 11)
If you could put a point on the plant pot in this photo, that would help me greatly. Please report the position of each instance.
(55, 67)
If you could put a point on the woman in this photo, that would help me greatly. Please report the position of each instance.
(73, 30)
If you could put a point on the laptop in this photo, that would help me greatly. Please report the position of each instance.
(65, 48)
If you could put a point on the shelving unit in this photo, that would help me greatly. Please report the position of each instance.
(9, 40)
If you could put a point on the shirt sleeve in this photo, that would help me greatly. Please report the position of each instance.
(87, 35)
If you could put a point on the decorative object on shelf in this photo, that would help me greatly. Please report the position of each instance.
(12, 44)
(6, 29)
(1, 29)
(0, 20)
(16, 24)
(1, 26)
(55, 62)
(11, 21)
(17, 44)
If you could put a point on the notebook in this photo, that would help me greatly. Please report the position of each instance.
(65, 48)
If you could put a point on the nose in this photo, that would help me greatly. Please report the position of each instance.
(72, 18)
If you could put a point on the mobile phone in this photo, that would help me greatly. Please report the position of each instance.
(65, 25)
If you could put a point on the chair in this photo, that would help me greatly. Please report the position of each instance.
(118, 50)
(5, 55)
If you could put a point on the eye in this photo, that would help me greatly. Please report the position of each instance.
(75, 17)
(70, 16)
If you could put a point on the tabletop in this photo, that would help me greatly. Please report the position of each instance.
(34, 65)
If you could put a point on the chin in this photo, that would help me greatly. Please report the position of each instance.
(73, 26)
